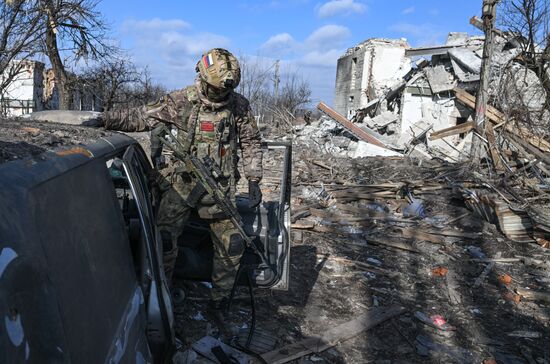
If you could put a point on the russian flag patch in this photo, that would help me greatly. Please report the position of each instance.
(207, 60)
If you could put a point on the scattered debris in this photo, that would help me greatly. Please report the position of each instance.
(436, 321)
(525, 334)
(218, 352)
(333, 336)
(439, 271)
(505, 279)
(533, 295)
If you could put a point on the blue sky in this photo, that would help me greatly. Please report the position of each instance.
(307, 35)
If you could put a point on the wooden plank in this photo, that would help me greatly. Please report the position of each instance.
(495, 156)
(322, 165)
(455, 233)
(533, 295)
(303, 225)
(354, 129)
(453, 130)
(530, 149)
(393, 244)
(411, 233)
(470, 100)
(333, 336)
(497, 117)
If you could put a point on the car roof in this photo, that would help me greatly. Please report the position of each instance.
(33, 151)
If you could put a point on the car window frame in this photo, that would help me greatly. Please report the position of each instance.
(159, 307)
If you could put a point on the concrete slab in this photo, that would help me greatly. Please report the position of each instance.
(463, 74)
(370, 150)
(439, 79)
(467, 58)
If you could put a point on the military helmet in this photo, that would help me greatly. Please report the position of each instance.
(219, 69)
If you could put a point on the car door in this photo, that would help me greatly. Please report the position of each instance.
(159, 307)
(269, 224)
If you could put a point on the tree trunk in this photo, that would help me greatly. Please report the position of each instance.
(545, 71)
(52, 50)
(482, 99)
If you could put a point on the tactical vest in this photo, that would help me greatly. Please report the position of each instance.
(212, 132)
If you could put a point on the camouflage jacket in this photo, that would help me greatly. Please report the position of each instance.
(187, 108)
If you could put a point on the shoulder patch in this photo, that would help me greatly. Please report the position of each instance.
(191, 93)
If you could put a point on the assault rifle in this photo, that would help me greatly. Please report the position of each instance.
(205, 173)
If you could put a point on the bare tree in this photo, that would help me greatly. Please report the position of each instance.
(146, 90)
(109, 78)
(19, 32)
(296, 92)
(73, 29)
(118, 83)
(528, 22)
(257, 86)
(255, 82)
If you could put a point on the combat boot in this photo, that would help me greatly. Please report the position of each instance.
(216, 312)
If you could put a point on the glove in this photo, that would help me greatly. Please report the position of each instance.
(254, 194)
(96, 122)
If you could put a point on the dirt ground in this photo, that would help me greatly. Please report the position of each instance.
(337, 274)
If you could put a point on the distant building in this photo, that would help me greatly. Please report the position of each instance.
(365, 71)
(33, 88)
(24, 94)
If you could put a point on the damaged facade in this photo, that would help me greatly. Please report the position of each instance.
(33, 88)
(365, 72)
(404, 95)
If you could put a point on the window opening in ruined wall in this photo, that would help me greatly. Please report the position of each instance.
(353, 74)
(352, 85)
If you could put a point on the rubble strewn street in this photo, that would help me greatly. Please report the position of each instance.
(397, 232)
(405, 250)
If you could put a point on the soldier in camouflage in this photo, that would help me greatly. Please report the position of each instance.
(212, 119)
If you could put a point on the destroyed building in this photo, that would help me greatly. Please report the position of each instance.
(365, 71)
(424, 110)
(33, 88)
(403, 95)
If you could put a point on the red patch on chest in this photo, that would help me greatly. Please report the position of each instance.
(207, 126)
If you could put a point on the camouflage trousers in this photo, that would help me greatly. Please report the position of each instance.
(228, 244)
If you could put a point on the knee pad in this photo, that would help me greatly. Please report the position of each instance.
(236, 245)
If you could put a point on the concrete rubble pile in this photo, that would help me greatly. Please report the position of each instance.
(396, 101)
(420, 101)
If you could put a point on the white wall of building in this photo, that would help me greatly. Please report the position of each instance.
(24, 93)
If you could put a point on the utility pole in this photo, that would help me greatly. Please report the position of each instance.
(483, 127)
(277, 80)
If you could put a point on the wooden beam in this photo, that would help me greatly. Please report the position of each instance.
(453, 130)
(332, 336)
(495, 155)
(531, 149)
(351, 127)
(497, 117)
